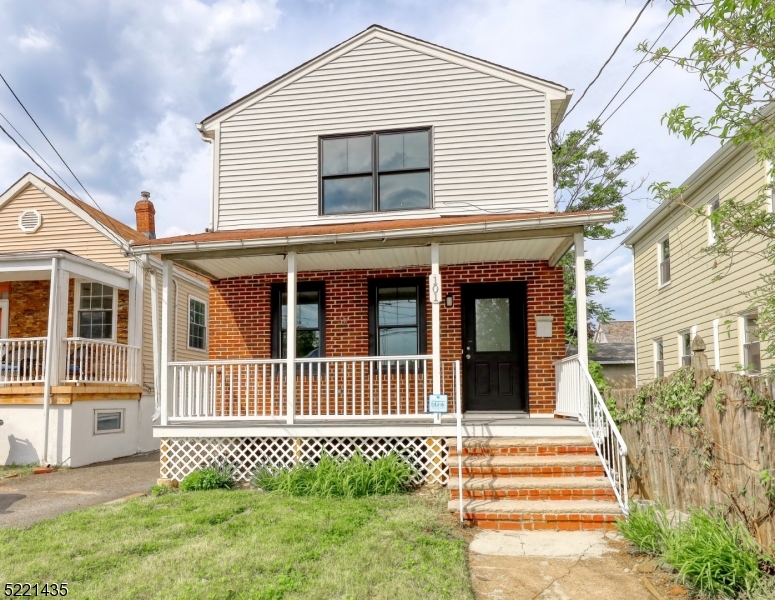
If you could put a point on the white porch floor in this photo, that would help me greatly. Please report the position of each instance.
(474, 425)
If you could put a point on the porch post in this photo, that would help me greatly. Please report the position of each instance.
(436, 320)
(290, 396)
(581, 299)
(57, 321)
(167, 321)
(135, 321)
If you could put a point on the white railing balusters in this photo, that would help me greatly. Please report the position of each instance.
(100, 361)
(578, 396)
(22, 360)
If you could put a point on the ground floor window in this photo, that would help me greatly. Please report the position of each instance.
(108, 421)
(310, 320)
(685, 348)
(197, 324)
(659, 358)
(95, 311)
(751, 356)
(397, 317)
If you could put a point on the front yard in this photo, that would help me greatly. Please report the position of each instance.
(245, 544)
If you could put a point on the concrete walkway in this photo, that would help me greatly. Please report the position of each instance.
(551, 565)
(26, 500)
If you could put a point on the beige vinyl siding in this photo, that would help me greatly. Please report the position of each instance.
(692, 298)
(61, 230)
(489, 146)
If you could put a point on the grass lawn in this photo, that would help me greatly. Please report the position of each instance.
(20, 469)
(245, 544)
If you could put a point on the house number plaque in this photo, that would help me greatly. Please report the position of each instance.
(434, 285)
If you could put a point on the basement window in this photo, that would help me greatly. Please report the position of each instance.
(108, 421)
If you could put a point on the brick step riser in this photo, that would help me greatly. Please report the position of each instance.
(542, 525)
(529, 471)
(527, 451)
(560, 494)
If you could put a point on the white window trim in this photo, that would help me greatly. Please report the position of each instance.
(77, 302)
(660, 283)
(680, 344)
(708, 212)
(188, 324)
(741, 317)
(101, 411)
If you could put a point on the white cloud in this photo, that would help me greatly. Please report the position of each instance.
(34, 39)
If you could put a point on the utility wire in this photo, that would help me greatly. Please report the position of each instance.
(64, 162)
(608, 60)
(25, 152)
(61, 179)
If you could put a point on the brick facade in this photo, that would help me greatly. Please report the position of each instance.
(28, 310)
(240, 315)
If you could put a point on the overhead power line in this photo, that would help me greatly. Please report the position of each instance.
(25, 152)
(608, 60)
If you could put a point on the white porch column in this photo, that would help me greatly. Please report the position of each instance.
(436, 318)
(290, 396)
(581, 299)
(167, 323)
(135, 320)
(57, 323)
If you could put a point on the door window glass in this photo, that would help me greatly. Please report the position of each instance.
(492, 325)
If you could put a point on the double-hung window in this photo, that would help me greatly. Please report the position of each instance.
(664, 261)
(95, 311)
(397, 317)
(752, 361)
(197, 324)
(310, 320)
(659, 358)
(685, 348)
(375, 172)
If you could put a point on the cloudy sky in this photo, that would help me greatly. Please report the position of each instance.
(118, 85)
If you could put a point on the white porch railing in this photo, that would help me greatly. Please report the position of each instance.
(97, 361)
(578, 396)
(377, 388)
(22, 360)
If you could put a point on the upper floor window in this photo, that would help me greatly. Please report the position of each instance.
(685, 348)
(197, 324)
(664, 261)
(375, 172)
(95, 311)
(659, 358)
(752, 361)
(713, 206)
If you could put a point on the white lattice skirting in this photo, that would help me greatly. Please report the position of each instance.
(180, 456)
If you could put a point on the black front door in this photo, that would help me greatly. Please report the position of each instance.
(494, 346)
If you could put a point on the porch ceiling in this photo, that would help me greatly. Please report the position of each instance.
(383, 258)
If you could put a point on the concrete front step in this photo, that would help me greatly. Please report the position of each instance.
(528, 466)
(533, 488)
(558, 515)
(527, 446)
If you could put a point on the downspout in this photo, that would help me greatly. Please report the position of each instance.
(53, 304)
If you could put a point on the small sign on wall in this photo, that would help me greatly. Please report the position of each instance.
(434, 287)
(438, 403)
(544, 326)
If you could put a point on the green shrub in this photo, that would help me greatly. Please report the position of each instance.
(714, 557)
(335, 477)
(216, 476)
(648, 527)
(161, 490)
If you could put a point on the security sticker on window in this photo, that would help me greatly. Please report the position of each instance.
(438, 403)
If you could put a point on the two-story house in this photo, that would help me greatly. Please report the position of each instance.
(677, 292)
(397, 198)
(77, 376)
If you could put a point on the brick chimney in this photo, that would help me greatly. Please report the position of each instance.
(146, 216)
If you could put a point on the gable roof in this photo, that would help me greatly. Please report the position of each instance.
(116, 231)
(556, 91)
(615, 332)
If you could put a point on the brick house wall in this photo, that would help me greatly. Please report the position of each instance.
(240, 315)
(28, 310)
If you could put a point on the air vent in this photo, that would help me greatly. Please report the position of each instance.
(30, 221)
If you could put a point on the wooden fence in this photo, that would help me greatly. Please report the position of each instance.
(718, 463)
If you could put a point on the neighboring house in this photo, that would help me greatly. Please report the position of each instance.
(676, 297)
(76, 351)
(397, 198)
(613, 347)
